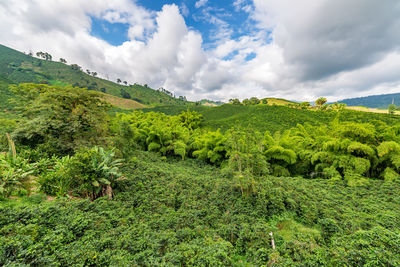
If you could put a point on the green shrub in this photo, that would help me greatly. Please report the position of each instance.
(89, 173)
(14, 174)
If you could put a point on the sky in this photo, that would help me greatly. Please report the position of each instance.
(220, 49)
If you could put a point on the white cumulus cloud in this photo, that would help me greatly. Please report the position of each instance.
(294, 49)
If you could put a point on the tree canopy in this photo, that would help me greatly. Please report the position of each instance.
(59, 118)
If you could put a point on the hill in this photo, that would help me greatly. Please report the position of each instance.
(17, 67)
(279, 101)
(374, 101)
(210, 103)
(272, 118)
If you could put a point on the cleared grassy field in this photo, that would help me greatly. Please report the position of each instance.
(373, 110)
(122, 102)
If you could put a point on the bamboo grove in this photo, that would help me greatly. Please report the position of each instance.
(340, 150)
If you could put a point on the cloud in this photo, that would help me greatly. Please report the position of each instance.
(200, 3)
(328, 37)
(292, 49)
(242, 5)
(185, 10)
(169, 54)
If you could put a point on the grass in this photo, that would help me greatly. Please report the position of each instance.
(373, 110)
(279, 101)
(122, 102)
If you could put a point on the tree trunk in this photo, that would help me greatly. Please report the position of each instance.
(109, 191)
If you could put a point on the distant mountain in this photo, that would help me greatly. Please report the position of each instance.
(373, 101)
(17, 67)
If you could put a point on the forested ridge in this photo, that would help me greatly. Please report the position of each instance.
(40, 67)
(83, 185)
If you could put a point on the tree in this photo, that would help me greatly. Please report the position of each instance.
(246, 102)
(245, 159)
(277, 155)
(210, 147)
(45, 56)
(234, 101)
(59, 119)
(94, 74)
(304, 105)
(39, 54)
(190, 119)
(264, 101)
(63, 60)
(76, 67)
(321, 101)
(251, 101)
(125, 94)
(118, 80)
(392, 109)
(88, 72)
(125, 82)
(254, 101)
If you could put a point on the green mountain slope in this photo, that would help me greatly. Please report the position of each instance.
(272, 118)
(16, 67)
(374, 101)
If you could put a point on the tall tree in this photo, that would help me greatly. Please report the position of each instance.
(60, 119)
(321, 101)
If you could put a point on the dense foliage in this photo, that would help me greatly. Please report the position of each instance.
(349, 151)
(81, 187)
(89, 173)
(59, 119)
(273, 118)
(185, 213)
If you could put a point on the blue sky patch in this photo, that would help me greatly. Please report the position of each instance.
(113, 33)
(250, 56)
(215, 20)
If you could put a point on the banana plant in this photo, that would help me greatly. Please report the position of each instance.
(14, 172)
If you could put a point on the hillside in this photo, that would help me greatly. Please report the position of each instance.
(374, 101)
(86, 187)
(271, 118)
(16, 67)
(210, 103)
(177, 213)
(279, 101)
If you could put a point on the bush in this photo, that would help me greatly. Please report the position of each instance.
(89, 173)
(14, 174)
